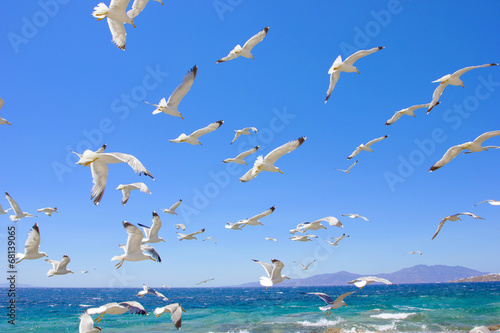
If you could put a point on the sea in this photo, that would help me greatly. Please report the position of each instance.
(443, 307)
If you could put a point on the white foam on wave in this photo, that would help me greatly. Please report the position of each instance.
(84, 305)
(394, 316)
(320, 323)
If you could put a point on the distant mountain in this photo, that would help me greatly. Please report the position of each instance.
(482, 278)
(415, 274)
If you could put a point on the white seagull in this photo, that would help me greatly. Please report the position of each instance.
(138, 6)
(267, 163)
(306, 266)
(48, 210)
(204, 281)
(346, 66)
(273, 273)
(408, 111)
(210, 237)
(146, 290)
(3, 121)
(115, 308)
(180, 226)
(331, 303)
(239, 159)
(353, 216)
(333, 221)
(172, 209)
(234, 226)
(129, 187)
(254, 220)
(59, 267)
(99, 161)
(363, 281)
(303, 238)
(271, 239)
(170, 107)
(490, 201)
(245, 51)
(316, 225)
(32, 246)
(454, 80)
(87, 325)
(16, 209)
(193, 137)
(244, 131)
(473, 147)
(453, 218)
(175, 309)
(117, 17)
(337, 240)
(349, 168)
(415, 252)
(134, 251)
(189, 236)
(366, 147)
(151, 233)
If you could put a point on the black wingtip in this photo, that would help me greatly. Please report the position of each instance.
(155, 214)
(220, 122)
(273, 208)
(194, 70)
(381, 47)
(266, 29)
(142, 225)
(256, 147)
(493, 64)
(302, 139)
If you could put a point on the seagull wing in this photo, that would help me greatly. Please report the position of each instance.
(54, 263)
(236, 136)
(197, 232)
(263, 214)
(377, 279)
(278, 266)
(151, 251)
(331, 221)
(147, 230)
(134, 307)
(175, 205)
(2, 102)
(324, 297)
(247, 153)
(472, 215)
(99, 170)
(360, 54)
(341, 297)
(450, 154)
(354, 153)
(210, 128)
(334, 77)
(439, 227)
(100, 309)
(249, 175)
(466, 69)
(64, 262)
(273, 156)
(230, 56)
(176, 316)
(33, 242)
(134, 238)
(86, 323)
(157, 293)
(126, 195)
(436, 95)
(268, 267)
(183, 88)
(155, 228)
(480, 139)
(15, 207)
(257, 38)
(376, 140)
(395, 117)
(303, 267)
(137, 7)
(309, 264)
(349, 168)
(132, 161)
(118, 32)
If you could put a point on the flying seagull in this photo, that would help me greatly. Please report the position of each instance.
(175, 309)
(234, 226)
(333, 221)
(303, 238)
(239, 159)
(490, 201)
(181, 226)
(48, 210)
(210, 237)
(244, 131)
(337, 240)
(349, 168)
(346, 66)
(454, 80)
(151, 233)
(305, 226)
(453, 218)
(138, 6)
(353, 216)
(366, 147)
(99, 161)
(87, 325)
(415, 252)
(117, 17)
(193, 137)
(172, 209)
(189, 236)
(115, 308)
(473, 147)
(363, 281)
(254, 220)
(16, 209)
(306, 266)
(245, 51)
(331, 303)
(408, 111)
(134, 251)
(204, 281)
(146, 290)
(32, 246)
(3, 121)
(170, 107)
(59, 267)
(271, 239)
(267, 163)
(129, 187)
(273, 273)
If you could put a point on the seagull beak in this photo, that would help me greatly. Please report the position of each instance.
(161, 3)
(463, 85)
(280, 171)
(358, 72)
(152, 259)
(180, 115)
(133, 25)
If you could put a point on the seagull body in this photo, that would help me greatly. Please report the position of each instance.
(3, 121)
(273, 273)
(210, 237)
(349, 168)
(146, 290)
(129, 187)
(306, 266)
(138, 6)
(48, 210)
(305, 226)
(99, 161)
(234, 226)
(453, 218)
(204, 281)
(181, 226)
(117, 17)
(353, 216)
(244, 131)
(331, 303)
(415, 252)
(363, 281)
(490, 201)
(254, 220)
(87, 325)
(366, 147)
(16, 209)
(32, 246)
(239, 159)
(134, 251)
(172, 209)
(267, 163)
(408, 111)
(303, 238)
(151, 233)
(271, 239)
(189, 236)
(170, 107)
(115, 308)
(245, 51)
(454, 80)
(175, 309)
(346, 66)
(193, 137)
(337, 240)
(59, 267)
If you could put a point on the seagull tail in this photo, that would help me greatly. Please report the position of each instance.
(100, 11)
(157, 111)
(265, 281)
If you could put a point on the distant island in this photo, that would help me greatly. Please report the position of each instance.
(482, 278)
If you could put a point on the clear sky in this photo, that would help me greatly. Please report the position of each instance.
(66, 86)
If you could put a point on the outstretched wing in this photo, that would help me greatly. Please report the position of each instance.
(13, 204)
(360, 54)
(341, 297)
(450, 154)
(324, 297)
(257, 38)
(132, 161)
(247, 153)
(267, 212)
(480, 139)
(249, 175)
(99, 170)
(268, 267)
(197, 232)
(376, 140)
(210, 128)
(466, 69)
(134, 238)
(331, 221)
(470, 214)
(33, 242)
(278, 266)
(183, 88)
(439, 228)
(151, 251)
(273, 156)
(155, 228)
(118, 32)
(334, 77)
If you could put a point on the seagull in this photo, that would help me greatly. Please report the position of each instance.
(138, 6)
(134, 251)
(129, 187)
(239, 159)
(472, 146)
(316, 225)
(333, 221)
(267, 163)
(16, 209)
(353, 216)
(175, 309)
(99, 161)
(337, 240)
(210, 237)
(3, 121)
(273, 273)
(303, 238)
(189, 236)
(2, 211)
(181, 226)
(346, 66)
(490, 201)
(254, 220)
(453, 218)
(32, 246)
(408, 111)
(331, 303)
(87, 325)
(454, 80)
(271, 239)
(59, 267)
(115, 308)
(166, 286)
(245, 51)
(415, 252)
(234, 226)
(363, 281)
(366, 147)
(204, 281)
(48, 210)
(172, 209)
(117, 17)
(349, 168)
(170, 106)
(193, 137)
(146, 290)
(244, 131)
(151, 233)
(306, 266)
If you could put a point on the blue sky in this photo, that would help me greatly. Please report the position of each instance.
(66, 86)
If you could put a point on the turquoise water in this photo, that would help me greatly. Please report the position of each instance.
(445, 307)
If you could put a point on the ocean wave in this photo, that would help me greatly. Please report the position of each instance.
(396, 316)
(320, 323)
